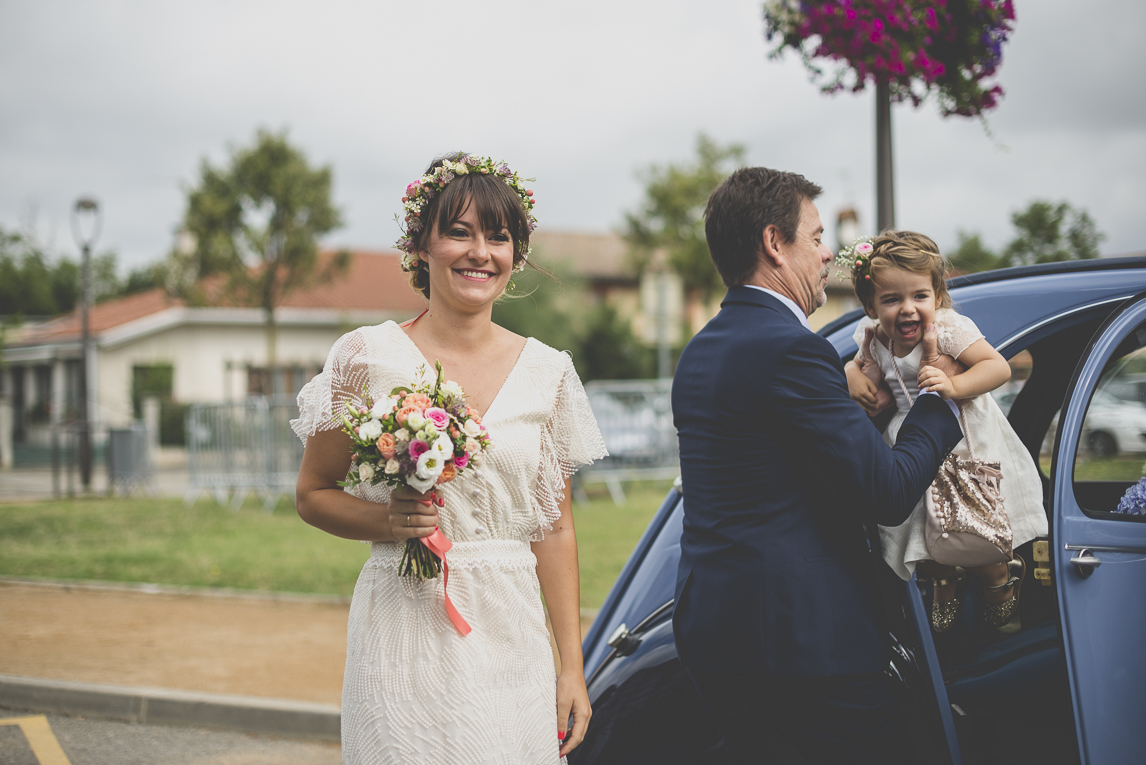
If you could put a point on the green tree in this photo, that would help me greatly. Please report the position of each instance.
(1044, 233)
(608, 350)
(672, 215)
(540, 305)
(971, 256)
(33, 283)
(1048, 233)
(27, 278)
(257, 223)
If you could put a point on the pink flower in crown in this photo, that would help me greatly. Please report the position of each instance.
(418, 448)
(864, 248)
(440, 417)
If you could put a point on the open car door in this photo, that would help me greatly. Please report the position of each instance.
(1098, 542)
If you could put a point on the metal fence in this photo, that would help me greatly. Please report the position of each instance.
(635, 417)
(247, 447)
(239, 448)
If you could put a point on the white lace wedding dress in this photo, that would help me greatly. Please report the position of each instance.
(415, 690)
(994, 439)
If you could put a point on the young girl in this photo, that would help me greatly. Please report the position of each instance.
(899, 279)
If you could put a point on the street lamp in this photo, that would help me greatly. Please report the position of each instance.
(86, 222)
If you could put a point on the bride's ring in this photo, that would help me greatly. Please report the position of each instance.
(408, 519)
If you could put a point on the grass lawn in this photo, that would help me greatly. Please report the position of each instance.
(1123, 467)
(159, 541)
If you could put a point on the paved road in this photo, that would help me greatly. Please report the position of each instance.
(28, 739)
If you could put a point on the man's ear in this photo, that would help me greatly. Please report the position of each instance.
(770, 240)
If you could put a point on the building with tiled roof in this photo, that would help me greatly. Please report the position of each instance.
(215, 352)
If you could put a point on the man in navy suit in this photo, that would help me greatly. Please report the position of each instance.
(777, 616)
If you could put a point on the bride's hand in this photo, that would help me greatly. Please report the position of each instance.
(572, 696)
(412, 515)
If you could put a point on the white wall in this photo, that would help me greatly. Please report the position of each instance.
(199, 354)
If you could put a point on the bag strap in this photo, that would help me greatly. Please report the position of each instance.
(910, 400)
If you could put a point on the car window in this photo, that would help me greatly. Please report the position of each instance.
(1005, 395)
(1109, 460)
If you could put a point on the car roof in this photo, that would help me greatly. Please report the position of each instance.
(1010, 302)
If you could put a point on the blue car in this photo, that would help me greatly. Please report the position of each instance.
(1070, 686)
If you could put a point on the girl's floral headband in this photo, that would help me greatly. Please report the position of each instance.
(421, 192)
(855, 261)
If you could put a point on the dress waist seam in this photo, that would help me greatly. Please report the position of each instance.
(494, 553)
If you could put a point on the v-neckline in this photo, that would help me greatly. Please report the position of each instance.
(504, 383)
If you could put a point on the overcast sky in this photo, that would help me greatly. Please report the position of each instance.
(122, 100)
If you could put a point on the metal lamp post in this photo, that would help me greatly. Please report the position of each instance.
(86, 221)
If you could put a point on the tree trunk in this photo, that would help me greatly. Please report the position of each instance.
(884, 167)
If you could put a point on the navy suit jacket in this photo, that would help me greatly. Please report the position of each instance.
(783, 477)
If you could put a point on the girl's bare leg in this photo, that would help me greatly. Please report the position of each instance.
(939, 572)
(993, 575)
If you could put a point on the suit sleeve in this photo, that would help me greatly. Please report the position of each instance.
(808, 395)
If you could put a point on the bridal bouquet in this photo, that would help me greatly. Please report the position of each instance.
(421, 435)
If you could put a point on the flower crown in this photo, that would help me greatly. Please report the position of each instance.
(421, 192)
(855, 261)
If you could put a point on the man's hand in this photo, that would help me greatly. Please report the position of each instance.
(873, 398)
(932, 358)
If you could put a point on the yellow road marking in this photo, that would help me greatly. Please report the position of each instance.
(40, 737)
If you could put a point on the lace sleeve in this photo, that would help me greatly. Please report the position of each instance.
(569, 440)
(956, 332)
(861, 330)
(342, 379)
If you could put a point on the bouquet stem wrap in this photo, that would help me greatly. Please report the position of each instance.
(439, 545)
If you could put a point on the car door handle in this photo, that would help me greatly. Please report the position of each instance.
(1085, 562)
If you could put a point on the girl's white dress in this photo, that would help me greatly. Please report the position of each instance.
(415, 690)
(991, 434)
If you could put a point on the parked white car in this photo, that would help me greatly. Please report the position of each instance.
(1114, 425)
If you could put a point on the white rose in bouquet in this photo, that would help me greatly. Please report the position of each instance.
(370, 430)
(471, 428)
(444, 446)
(382, 407)
(430, 466)
(365, 473)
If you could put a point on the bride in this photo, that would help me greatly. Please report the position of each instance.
(415, 690)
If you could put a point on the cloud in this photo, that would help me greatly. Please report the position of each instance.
(125, 99)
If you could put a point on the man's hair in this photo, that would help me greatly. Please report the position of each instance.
(750, 200)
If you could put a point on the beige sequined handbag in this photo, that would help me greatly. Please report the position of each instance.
(966, 522)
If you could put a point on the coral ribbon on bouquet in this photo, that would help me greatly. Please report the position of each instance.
(439, 545)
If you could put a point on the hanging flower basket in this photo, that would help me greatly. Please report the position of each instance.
(948, 48)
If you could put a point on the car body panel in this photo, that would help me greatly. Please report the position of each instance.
(1098, 621)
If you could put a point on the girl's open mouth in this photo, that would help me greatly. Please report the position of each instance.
(908, 330)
